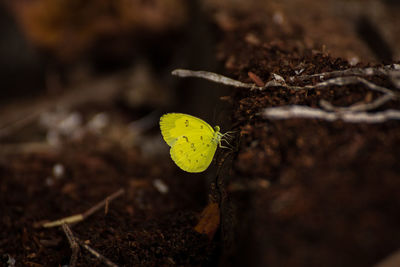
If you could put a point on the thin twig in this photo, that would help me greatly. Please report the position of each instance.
(385, 70)
(340, 81)
(358, 106)
(346, 113)
(82, 216)
(346, 81)
(72, 243)
(102, 203)
(295, 111)
(214, 77)
(100, 257)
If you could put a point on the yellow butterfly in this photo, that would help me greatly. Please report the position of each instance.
(193, 141)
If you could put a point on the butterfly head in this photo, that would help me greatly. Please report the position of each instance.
(217, 135)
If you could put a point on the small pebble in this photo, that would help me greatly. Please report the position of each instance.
(354, 61)
(278, 18)
(278, 77)
(71, 123)
(98, 122)
(53, 138)
(11, 261)
(299, 71)
(369, 71)
(49, 181)
(160, 186)
(58, 171)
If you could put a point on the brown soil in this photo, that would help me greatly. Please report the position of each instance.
(331, 197)
(294, 192)
(143, 227)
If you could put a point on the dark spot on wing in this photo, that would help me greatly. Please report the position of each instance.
(187, 123)
(187, 139)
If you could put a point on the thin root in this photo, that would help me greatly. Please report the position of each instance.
(72, 243)
(80, 217)
(75, 242)
(304, 112)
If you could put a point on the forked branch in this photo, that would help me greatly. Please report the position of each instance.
(354, 113)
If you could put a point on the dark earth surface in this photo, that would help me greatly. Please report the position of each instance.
(295, 192)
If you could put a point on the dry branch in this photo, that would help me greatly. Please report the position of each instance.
(385, 70)
(358, 106)
(100, 257)
(82, 216)
(75, 242)
(354, 113)
(304, 112)
(339, 81)
(214, 77)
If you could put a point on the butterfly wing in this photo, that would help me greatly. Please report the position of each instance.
(174, 125)
(191, 141)
(193, 152)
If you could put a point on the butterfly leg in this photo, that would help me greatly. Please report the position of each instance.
(229, 133)
(228, 136)
(226, 141)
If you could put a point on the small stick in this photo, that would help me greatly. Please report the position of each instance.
(69, 220)
(340, 81)
(214, 77)
(346, 81)
(358, 106)
(385, 70)
(72, 243)
(353, 113)
(100, 257)
(295, 111)
(75, 242)
(82, 216)
(102, 203)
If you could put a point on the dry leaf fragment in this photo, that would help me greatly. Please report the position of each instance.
(209, 220)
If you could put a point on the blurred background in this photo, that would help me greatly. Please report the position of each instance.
(83, 84)
(103, 57)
